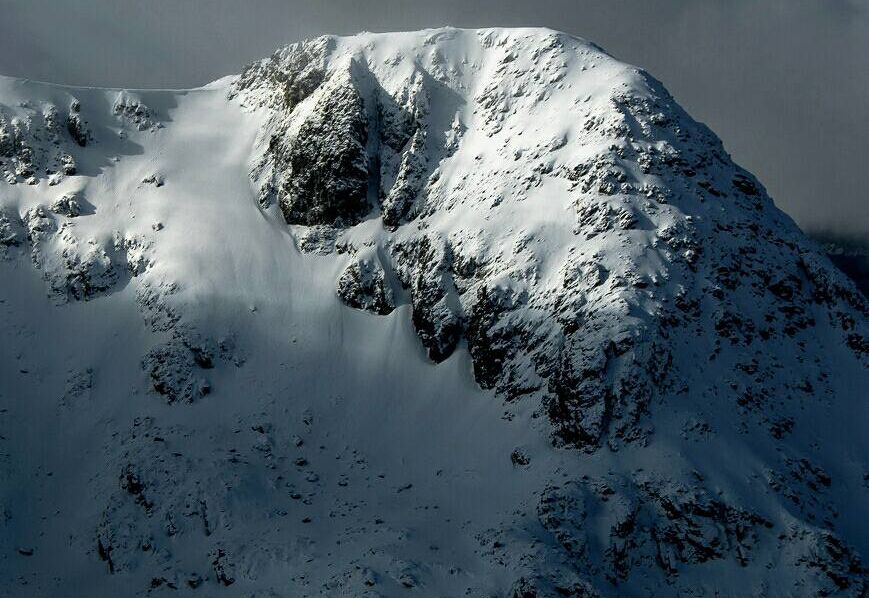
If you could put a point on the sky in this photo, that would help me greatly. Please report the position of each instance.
(784, 83)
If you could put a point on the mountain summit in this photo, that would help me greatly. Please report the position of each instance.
(446, 312)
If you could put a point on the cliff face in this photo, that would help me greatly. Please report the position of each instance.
(475, 312)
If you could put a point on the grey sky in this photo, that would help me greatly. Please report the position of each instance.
(785, 83)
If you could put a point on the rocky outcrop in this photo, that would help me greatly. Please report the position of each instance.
(293, 73)
(76, 125)
(40, 143)
(178, 368)
(354, 149)
(422, 266)
(73, 267)
(133, 112)
(325, 168)
(654, 528)
(67, 205)
(363, 285)
(176, 371)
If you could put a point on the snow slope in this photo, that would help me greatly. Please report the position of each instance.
(439, 313)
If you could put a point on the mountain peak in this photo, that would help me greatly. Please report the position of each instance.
(467, 311)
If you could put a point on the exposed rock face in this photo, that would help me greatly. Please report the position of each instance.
(664, 528)
(75, 124)
(174, 372)
(651, 525)
(294, 73)
(133, 111)
(66, 205)
(362, 285)
(422, 266)
(326, 179)
(34, 144)
(357, 148)
(76, 268)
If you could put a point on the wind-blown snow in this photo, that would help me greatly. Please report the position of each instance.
(445, 312)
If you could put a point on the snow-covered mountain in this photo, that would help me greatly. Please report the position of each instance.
(444, 313)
